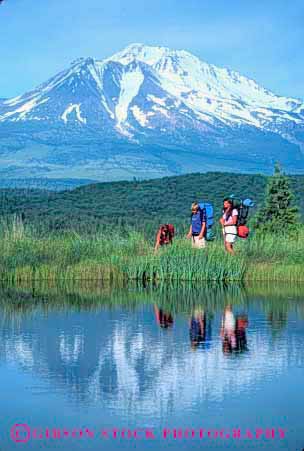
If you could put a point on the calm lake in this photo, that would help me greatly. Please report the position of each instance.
(164, 367)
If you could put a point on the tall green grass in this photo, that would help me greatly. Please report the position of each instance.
(275, 257)
(26, 256)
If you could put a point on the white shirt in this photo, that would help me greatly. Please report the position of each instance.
(229, 221)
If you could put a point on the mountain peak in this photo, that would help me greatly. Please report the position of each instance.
(150, 54)
(153, 97)
(145, 53)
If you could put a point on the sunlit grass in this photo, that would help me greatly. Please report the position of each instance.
(26, 256)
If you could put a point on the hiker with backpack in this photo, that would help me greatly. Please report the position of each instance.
(234, 220)
(164, 236)
(198, 228)
(229, 222)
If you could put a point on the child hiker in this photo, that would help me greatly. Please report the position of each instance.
(198, 228)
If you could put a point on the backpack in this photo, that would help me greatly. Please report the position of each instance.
(208, 208)
(242, 207)
(243, 231)
(169, 230)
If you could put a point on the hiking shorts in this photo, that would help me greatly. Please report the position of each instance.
(230, 234)
(198, 243)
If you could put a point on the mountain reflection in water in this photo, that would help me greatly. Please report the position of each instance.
(155, 350)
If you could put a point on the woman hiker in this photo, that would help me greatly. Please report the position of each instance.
(198, 228)
(164, 236)
(229, 224)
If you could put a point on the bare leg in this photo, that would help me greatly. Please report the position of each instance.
(229, 248)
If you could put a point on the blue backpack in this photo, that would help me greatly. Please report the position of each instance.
(209, 219)
(208, 209)
(209, 213)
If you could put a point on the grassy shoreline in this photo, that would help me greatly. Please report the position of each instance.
(26, 256)
(176, 298)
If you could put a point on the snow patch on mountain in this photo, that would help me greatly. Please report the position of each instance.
(23, 110)
(13, 101)
(139, 116)
(96, 71)
(156, 100)
(207, 88)
(161, 110)
(69, 110)
(130, 84)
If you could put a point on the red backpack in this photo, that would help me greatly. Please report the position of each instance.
(243, 231)
(170, 228)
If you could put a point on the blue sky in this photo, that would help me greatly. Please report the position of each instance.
(261, 39)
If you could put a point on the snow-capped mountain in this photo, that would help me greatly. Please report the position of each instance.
(147, 112)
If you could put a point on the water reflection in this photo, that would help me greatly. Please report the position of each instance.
(277, 320)
(233, 331)
(200, 329)
(228, 330)
(164, 319)
(241, 338)
(108, 349)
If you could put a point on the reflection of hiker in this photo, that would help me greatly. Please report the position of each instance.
(228, 331)
(197, 229)
(199, 330)
(240, 332)
(164, 319)
(229, 223)
(164, 235)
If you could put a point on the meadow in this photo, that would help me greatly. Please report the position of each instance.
(26, 255)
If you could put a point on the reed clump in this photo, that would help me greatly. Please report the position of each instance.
(26, 255)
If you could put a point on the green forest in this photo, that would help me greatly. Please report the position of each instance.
(139, 205)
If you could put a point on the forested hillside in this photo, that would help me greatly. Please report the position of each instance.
(139, 204)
